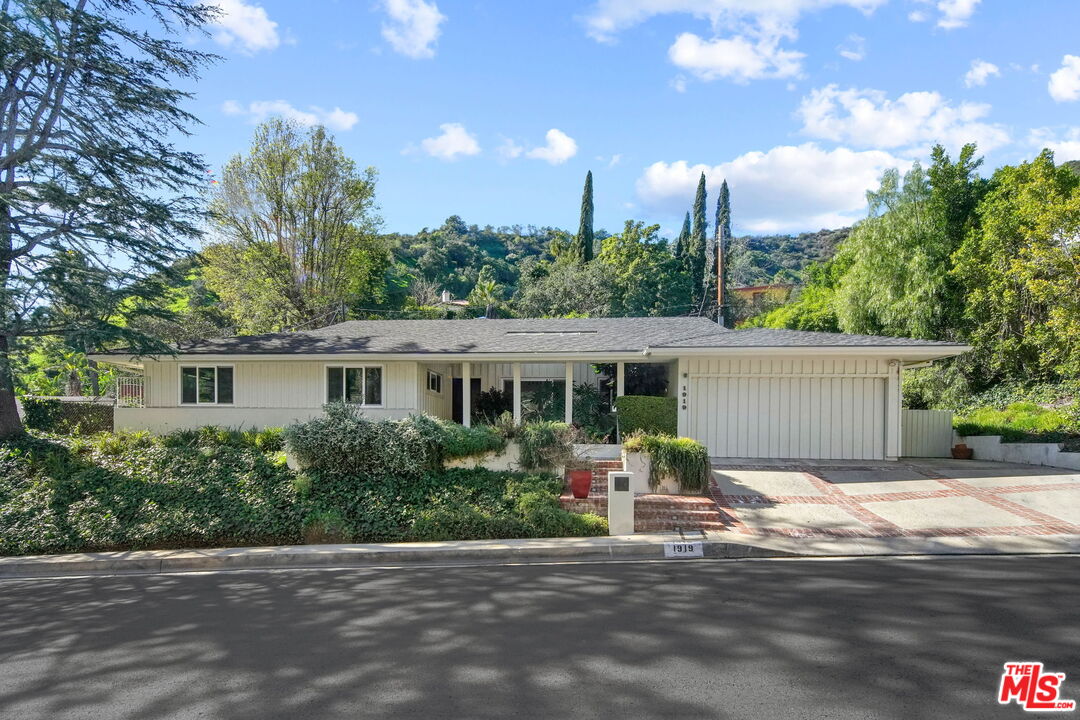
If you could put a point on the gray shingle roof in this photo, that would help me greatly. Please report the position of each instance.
(529, 336)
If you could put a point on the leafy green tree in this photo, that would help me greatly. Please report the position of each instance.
(646, 278)
(88, 93)
(1021, 273)
(583, 243)
(899, 280)
(697, 260)
(565, 288)
(298, 230)
(814, 306)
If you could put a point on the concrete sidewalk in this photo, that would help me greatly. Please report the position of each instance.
(718, 545)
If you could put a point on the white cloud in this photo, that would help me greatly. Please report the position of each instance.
(786, 188)
(867, 118)
(609, 17)
(509, 149)
(737, 58)
(980, 72)
(413, 28)
(955, 13)
(259, 110)
(454, 142)
(1064, 85)
(1065, 147)
(746, 36)
(560, 148)
(678, 83)
(854, 48)
(246, 27)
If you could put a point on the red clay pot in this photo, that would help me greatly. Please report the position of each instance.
(962, 452)
(580, 482)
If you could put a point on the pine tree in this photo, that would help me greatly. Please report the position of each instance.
(584, 241)
(91, 100)
(696, 252)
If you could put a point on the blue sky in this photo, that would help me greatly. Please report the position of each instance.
(494, 109)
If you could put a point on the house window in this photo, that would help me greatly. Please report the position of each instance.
(206, 385)
(434, 382)
(354, 384)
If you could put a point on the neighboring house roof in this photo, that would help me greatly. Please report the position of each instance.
(549, 336)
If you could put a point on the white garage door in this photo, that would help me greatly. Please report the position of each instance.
(789, 415)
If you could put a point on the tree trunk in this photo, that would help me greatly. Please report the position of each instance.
(10, 422)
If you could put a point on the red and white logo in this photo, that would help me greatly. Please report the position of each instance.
(1028, 686)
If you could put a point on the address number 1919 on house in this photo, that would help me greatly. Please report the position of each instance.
(683, 550)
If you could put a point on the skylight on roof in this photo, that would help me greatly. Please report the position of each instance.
(550, 332)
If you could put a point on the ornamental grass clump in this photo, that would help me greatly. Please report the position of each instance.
(682, 458)
(545, 444)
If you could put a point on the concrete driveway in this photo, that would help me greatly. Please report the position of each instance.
(911, 498)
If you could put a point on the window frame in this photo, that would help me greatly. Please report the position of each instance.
(438, 376)
(199, 366)
(363, 383)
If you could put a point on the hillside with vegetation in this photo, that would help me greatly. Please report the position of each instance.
(947, 254)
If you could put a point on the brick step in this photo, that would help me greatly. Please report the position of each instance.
(687, 514)
(661, 526)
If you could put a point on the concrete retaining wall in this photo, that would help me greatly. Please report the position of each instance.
(990, 447)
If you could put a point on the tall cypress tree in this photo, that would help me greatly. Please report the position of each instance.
(696, 253)
(723, 213)
(720, 240)
(683, 243)
(584, 240)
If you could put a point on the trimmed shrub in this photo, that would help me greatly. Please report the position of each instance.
(55, 416)
(685, 459)
(647, 414)
(344, 441)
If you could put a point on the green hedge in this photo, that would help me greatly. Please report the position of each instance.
(648, 414)
(686, 459)
(55, 416)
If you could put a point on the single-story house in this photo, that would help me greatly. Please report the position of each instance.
(742, 393)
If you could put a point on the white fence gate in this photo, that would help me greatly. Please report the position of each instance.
(926, 433)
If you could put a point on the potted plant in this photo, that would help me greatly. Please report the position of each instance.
(961, 451)
(579, 472)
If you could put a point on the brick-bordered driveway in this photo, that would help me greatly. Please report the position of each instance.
(911, 498)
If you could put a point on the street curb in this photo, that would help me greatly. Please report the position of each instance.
(629, 547)
(163, 561)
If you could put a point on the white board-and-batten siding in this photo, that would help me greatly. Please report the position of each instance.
(787, 407)
(279, 384)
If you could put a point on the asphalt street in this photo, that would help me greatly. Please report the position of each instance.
(868, 638)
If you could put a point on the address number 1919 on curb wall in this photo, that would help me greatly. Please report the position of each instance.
(683, 550)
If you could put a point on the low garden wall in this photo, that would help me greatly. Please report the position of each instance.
(990, 447)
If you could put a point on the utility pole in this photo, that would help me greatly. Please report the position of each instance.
(720, 277)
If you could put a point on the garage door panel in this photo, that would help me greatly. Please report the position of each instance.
(815, 417)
